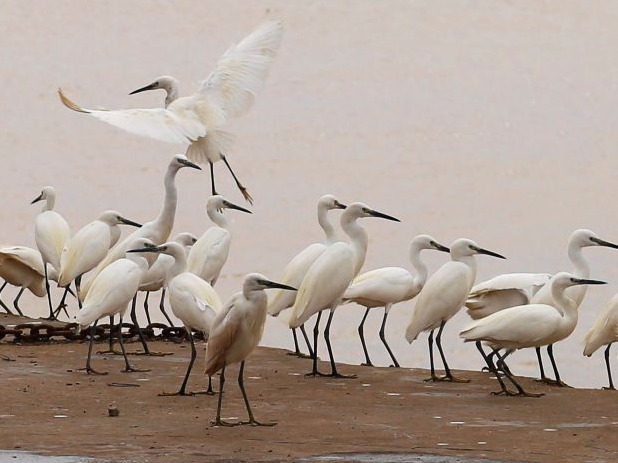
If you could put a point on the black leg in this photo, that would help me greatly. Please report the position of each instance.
(162, 307)
(212, 178)
(62, 305)
(520, 390)
(2, 304)
(609, 370)
(218, 421)
(142, 339)
(296, 352)
(433, 376)
(242, 189)
(302, 330)
(448, 375)
(558, 381)
(146, 307)
(241, 383)
(333, 365)
(362, 338)
(316, 331)
(543, 378)
(78, 284)
(89, 368)
(128, 368)
(49, 302)
(494, 370)
(383, 338)
(485, 357)
(16, 301)
(183, 387)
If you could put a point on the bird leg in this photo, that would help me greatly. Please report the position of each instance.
(448, 375)
(252, 421)
(543, 378)
(49, 301)
(557, 382)
(486, 358)
(212, 178)
(218, 421)
(88, 368)
(111, 338)
(433, 377)
(128, 368)
(362, 338)
(297, 352)
(520, 390)
(16, 301)
(183, 387)
(302, 330)
(146, 307)
(62, 305)
(78, 284)
(242, 189)
(609, 371)
(142, 339)
(209, 391)
(316, 331)
(383, 338)
(333, 365)
(2, 304)
(162, 308)
(504, 390)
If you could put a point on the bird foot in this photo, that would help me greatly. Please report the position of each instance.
(6, 358)
(504, 392)
(109, 351)
(553, 382)
(134, 370)
(339, 375)
(366, 364)
(454, 379)
(520, 393)
(171, 394)
(245, 194)
(544, 379)
(92, 371)
(207, 392)
(220, 422)
(253, 422)
(300, 355)
(151, 353)
(609, 388)
(395, 366)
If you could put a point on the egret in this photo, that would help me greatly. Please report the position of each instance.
(330, 275)
(209, 254)
(51, 233)
(444, 293)
(530, 325)
(578, 240)
(89, 246)
(154, 279)
(296, 269)
(604, 332)
(112, 290)
(236, 331)
(199, 119)
(384, 287)
(23, 267)
(193, 300)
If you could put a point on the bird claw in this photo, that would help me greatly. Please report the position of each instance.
(135, 370)
(224, 423)
(553, 382)
(446, 378)
(151, 354)
(339, 376)
(315, 373)
(609, 388)
(92, 371)
(300, 355)
(172, 394)
(109, 351)
(366, 364)
(245, 194)
(207, 392)
(520, 393)
(253, 422)
(394, 366)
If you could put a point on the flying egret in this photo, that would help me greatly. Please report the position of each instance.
(604, 332)
(112, 290)
(296, 269)
(193, 300)
(51, 233)
(236, 331)
(330, 275)
(209, 254)
(528, 325)
(384, 287)
(578, 240)
(444, 293)
(88, 247)
(199, 119)
(154, 279)
(23, 267)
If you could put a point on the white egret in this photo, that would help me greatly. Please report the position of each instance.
(89, 246)
(236, 331)
(604, 332)
(51, 233)
(330, 275)
(444, 293)
(154, 279)
(578, 240)
(23, 267)
(193, 300)
(296, 269)
(112, 290)
(209, 254)
(386, 286)
(530, 325)
(199, 119)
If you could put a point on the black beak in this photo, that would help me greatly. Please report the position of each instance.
(189, 164)
(440, 247)
(601, 242)
(129, 222)
(339, 205)
(272, 284)
(37, 199)
(382, 216)
(143, 89)
(489, 253)
(583, 281)
(148, 249)
(238, 208)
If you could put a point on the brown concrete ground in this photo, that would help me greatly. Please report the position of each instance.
(50, 407)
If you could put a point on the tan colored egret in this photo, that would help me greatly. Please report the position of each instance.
(330, 275)
(444, 293)
(89, 246)
(236, 331)
(209, 254)
(154, 279)
(386, 286)
(578, 240)
(604, 332)
(192, 299)
(296, 269)
(530, 325)
(199, 119)
(112, 290)
(51, 233)
(22, 267)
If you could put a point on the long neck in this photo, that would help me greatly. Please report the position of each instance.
(358, 239)
(582, 270)
(217, 217)
(172, 94)
(165, 219)
(470, 261)
(179, 266)
(329, 231)
(564, 304)
(50, 202)
(419, 266)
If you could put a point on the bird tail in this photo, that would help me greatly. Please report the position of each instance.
(209, 149)
(593, 341)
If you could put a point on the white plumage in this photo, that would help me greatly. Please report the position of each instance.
(604, 332)
(51, 231)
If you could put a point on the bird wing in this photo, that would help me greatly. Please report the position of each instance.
(209, 253)
(222, 335)
(241, 71)
(383, 285)
(51, 233)
(27, 256)
(179, 123)
(84, 251)
(511, 281)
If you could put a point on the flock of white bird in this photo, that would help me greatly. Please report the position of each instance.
(510, 312)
